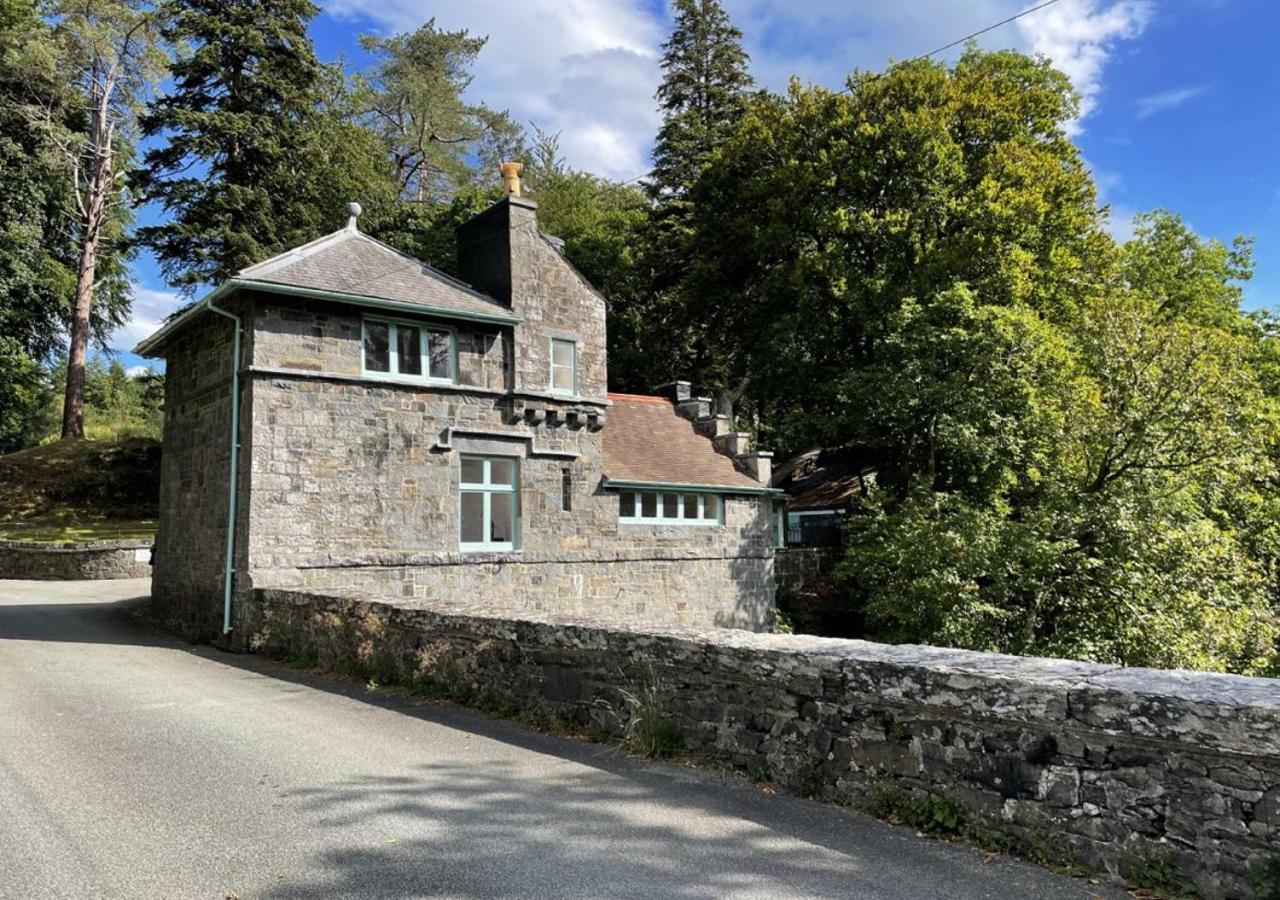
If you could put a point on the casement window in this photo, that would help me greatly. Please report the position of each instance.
(408, 350)
(489, 499)
(668, 508)
(564, 367)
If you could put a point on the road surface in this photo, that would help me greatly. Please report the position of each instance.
(133, 765)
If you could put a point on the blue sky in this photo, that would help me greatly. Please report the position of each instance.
(1182, 99)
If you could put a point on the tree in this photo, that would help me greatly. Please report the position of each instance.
(413, 98)
(106, 50)
(824, 212)
(702, 97)
(259, 151)
(704, 80)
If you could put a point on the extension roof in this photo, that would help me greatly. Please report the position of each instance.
(648, 443)
(826, 479)
(349, 267)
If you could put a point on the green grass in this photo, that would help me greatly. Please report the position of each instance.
(80, 491)
(55, 531)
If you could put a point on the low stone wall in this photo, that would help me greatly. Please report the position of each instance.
(1128, 771)
(89, 560)
(794, 567)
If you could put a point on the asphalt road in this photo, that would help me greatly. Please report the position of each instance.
(133, 765)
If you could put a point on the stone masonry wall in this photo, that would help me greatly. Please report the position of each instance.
(356, 486)
(1118, 769)
(794, 567)
(75, 561)
(187, 581)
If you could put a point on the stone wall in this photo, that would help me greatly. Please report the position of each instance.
(75, 561)
(1123, 770)
(190, 554)
(794, 567)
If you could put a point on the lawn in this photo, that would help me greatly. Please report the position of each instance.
(55, 530)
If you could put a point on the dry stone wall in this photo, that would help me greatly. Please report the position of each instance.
(1124, 770)
(78, 561)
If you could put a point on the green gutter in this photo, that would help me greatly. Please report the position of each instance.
(620, 484)
(228, 574)
(145, 347)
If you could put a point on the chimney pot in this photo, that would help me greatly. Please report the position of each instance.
(511, 177)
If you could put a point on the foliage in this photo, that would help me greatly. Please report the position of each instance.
(117, 405)
(24, 391)
(412, 97)
(647, 727)
(259, 149)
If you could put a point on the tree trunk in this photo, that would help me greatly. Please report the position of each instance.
(93, 207)
(73, 402)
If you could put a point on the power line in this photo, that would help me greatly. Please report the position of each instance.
(923, 56)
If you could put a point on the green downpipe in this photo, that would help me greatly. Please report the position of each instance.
(229, 572)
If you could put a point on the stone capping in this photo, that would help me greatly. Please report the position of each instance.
(77, 546)
(1205, 712)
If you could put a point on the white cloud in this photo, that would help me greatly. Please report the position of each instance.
(1165, 100)
(1079, 36)
(138, 371)
(589, 68)
(150, 308)
(586, 68)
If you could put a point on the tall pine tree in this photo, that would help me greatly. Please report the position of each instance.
(702, 96)
(259, 154)
(705, 78)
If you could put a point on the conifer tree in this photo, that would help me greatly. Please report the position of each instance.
(705, 78)
(259, 154)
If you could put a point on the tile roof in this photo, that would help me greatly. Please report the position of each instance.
(645, 439)
(353, 263)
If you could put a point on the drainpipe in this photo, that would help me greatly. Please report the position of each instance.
(229, 572)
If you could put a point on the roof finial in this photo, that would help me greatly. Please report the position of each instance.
(353, 213)
(511, 177)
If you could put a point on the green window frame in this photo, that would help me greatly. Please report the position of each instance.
(564, 367)
(488, 503)
(672, 507)
(413, 351)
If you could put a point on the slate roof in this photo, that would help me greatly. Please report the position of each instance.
(349, 262)
(647, 440)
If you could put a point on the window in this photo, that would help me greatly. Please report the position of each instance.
(487, 503)
(564, 367)
(566, 489)
(410, 351)
(666, 508)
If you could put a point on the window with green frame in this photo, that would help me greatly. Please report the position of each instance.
(669, 508)
(488, 503)
(410, 350)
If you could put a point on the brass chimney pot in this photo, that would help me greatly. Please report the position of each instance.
(511, 177)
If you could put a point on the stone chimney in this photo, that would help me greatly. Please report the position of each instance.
(502, 253)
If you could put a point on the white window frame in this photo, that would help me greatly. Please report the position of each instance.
(573, 368)
(487, 489)
(672, 517)
(393, 351)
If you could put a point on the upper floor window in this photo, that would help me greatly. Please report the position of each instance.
(668, 508)
(564, 366)
(488, 501)
(409, 350)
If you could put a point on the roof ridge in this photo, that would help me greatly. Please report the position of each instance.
(293, 254)
(640, 398)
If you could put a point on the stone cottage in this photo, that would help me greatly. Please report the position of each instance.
(347, 418)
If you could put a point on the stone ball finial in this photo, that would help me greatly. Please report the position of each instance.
(353, 213)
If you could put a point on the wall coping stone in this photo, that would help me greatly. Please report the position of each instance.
(78, 546)
(1226, 713)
